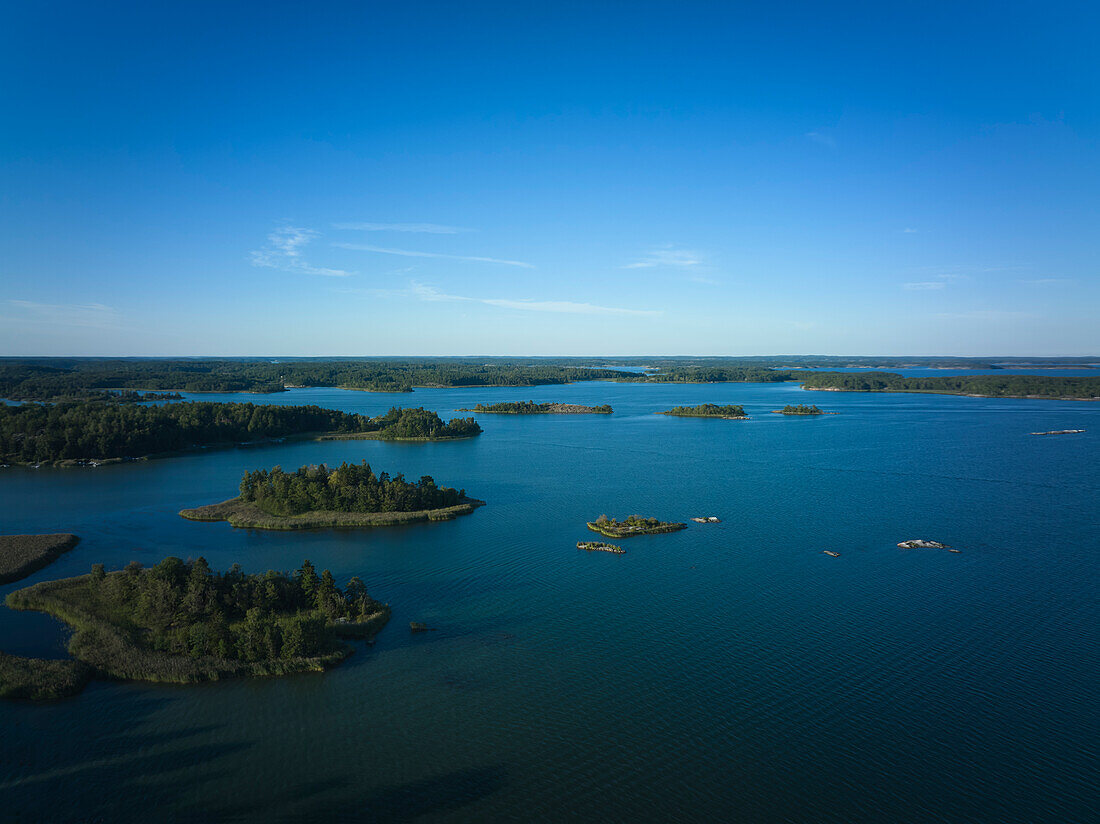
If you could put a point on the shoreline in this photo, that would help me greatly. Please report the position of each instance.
(243, 515)
(948, 392)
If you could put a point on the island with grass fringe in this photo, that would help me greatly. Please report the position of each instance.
(183, 623)
(634, 525)
(532, 408)
(799, 409)
(350, 495)
(731, 412)
(20, 555)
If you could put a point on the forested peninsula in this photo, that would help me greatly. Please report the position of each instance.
(350, 495)
(733, 412)
(532, 408)
(183, 623)
(986, 386)
(72, 433)
(20, 555)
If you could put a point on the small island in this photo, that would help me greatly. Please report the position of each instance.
(798, 409)
(634, 525)
(600, 546)
(350, 495)
(184, 623)
(405, 424)
(732, 412)
(920, 543)
(532, 408)
(20, 555)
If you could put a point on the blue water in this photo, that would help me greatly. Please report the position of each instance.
(728, 672)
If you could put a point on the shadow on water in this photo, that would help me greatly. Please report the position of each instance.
(414, 800)
(107, 772)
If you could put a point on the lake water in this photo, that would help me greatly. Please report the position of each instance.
(728, 672)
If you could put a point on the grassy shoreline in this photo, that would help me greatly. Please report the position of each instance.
(112, 651)
(246, 515)
(22, 555)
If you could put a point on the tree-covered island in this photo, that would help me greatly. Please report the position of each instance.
(183, 623)
(350, 495)
(532, 408)
(92, 432)
(733, 412)
(798, 409)
(634, 525)
(984, 386)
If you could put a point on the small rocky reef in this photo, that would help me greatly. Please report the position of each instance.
(599, 546)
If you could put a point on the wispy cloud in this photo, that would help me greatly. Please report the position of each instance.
(925, 285)
(425, 228)
(908, 231)
(284, 251)
(88, 315)
(823, 139)
(429, 293)
(666, 256)
(363, 247)
(1047, 281)
(985, 315)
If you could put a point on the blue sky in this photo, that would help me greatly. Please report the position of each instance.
(549, 178)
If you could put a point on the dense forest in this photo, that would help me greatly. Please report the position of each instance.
(49, 379)
(800, 409)
(348, 488)
(40, 433)
(711, 374)
(90, 378)
(708, 410)
(532, 408)
(988, 385)
(188, 609)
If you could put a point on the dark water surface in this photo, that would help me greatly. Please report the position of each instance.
(727, 672)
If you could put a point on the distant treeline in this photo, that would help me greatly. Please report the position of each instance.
(57, 378)
(39, 433)
(988, 385)
(712, 374)
(46, 379)
(348, 488)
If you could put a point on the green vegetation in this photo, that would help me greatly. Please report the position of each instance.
(711, 374)
(348, 488)
(991, 386)
(600, 546)
(634, 525)
(350, 495)
(40, 678)
(52, 378)
(20, 555)
(532, 408)
(708, 410)
(182, 622)
(799, 409)
(75, 432)
(57, 378)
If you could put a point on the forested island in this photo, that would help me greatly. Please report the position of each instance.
(532, 408)
(986, 386)
(183, 623)
(71, 433)
(20, 555)
(349, 495)
(634, 525)
(798, 409)
(733, 412)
